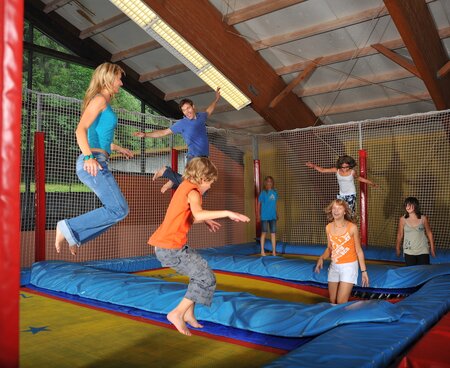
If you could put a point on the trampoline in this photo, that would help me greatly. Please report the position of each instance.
(272, 310)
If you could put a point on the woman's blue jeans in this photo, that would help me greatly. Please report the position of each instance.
(80, 229)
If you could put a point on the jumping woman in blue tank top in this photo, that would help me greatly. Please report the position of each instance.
(95, 134)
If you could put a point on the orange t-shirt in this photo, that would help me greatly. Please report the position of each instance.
(342, 246)
(172, 233)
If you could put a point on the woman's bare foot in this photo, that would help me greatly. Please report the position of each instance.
(177, 320)
(159, 173)
(73, 250)
(166, 186)
(59, 240)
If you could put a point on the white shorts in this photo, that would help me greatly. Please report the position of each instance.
(345, 272)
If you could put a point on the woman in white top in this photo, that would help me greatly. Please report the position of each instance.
(345, 176)
(415, 230)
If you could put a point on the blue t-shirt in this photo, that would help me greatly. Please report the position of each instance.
(101, 131)
(194, 134)
(268, 200)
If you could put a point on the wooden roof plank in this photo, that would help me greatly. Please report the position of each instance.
(135, 51)
(54, 5)
(416, 26)
(396, 58)
(218, 43)
(351, 54)
(257, 10)
(103, 26)
(295, 82)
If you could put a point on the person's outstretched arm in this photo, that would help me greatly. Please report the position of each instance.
(153, 134)
(360, 254)
(398, 242)
(124, 151)
(201, 215)
(321, 169)
(429, 235)
(212, 106)
(367, 181)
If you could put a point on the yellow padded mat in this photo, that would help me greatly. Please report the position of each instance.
(59, 334)
(266, 288)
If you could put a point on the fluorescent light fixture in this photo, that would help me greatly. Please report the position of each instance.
(149, 21)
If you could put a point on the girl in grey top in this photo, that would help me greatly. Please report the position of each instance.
(415, 230)
(345, 176)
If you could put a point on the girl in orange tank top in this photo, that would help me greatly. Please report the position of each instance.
(345, 250)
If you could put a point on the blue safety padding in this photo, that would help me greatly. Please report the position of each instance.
(278, 342)
(382, 277)
(239, 310)
(133, 264)
(370, 252)
(25, 275)
(371, 344)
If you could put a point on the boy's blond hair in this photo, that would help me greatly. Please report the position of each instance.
(200, 168)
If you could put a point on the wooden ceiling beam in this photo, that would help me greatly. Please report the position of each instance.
(354, 82)
(323, 27)
(135, 51)
(218, 43)
(55, 5)
(374, 104)
(165, 72)
(220, 108)
(320, 28)
(67, 35)
(352, 54)
(187, 92)
(295, 82)
(257, 10)
(396, 58)
(58, 54)
(242, 124)
(416, 26)
(104, 26)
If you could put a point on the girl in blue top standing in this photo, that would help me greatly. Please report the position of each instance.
(268, 211)
(95, 133)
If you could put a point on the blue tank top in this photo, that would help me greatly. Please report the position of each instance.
(101, 131)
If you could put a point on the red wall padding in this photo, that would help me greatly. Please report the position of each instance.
(11, 41)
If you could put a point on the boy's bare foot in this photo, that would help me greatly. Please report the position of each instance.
(166, 186)
(263, 254)
(192, 321)
(274, 254)
(159, 173)
(177, 320)
(73, 249)
(59, 240)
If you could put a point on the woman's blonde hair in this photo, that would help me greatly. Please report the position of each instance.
(349, 216)
(103, 77)
(200, 168)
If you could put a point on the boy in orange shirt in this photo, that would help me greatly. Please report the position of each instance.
(170, 239)
(345, 249)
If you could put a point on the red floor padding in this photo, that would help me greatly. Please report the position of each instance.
(433, 350)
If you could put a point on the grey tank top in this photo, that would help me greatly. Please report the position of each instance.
(415, 240)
